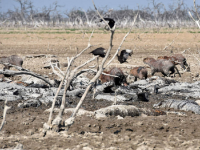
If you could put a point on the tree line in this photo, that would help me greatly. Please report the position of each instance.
(155, 15)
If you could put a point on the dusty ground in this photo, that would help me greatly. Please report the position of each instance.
(154, 132)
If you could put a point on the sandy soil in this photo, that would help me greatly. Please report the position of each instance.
(24, 125)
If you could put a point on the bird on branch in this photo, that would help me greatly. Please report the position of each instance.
(111, 22)
(99, 52)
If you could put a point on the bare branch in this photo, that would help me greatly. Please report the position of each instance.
(196, 10)
(122, 42)
(101, 16)
(95, 77)
(191, 16)
(55, 65)
(57, 120)
(4, 21)
(172, 41)
(92, 70)
(89, 45)
(55, 97)
(68, 77)
(85, 63)
(60, 70)
(86, 17)
(4, 114)
(196, 21)
(90, 84)
(13, 73)
(192, 54)
(54, 71)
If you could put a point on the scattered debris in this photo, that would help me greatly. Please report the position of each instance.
(30, 103)
(41, 55)
(186, 105)
(114, 110)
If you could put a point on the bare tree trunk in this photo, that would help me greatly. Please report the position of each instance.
(4, 115)
(70, 120)
(54, 100)
(69, 76)
(196, 21)
(56, 122)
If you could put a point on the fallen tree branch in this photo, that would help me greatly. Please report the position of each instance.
(16, 67)
(114, 110)
(13, 73)
(83, 71)
(4, 114)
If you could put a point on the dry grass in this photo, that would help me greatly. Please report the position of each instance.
(64, 43)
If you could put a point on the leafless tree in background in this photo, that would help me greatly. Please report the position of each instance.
(155, 15)
(196, 13)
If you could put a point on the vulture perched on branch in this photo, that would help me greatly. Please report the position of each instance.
(99, 52)
(111, 22)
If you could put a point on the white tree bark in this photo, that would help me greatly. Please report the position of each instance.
(4, 115)
(67, 76)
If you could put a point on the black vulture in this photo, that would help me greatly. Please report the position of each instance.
(124, 55)
(111, 22)
(99, 51)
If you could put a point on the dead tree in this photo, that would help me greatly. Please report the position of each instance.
(23, 10)
(55, 124)
(197, 15)
(70, 120)
(68, 76)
